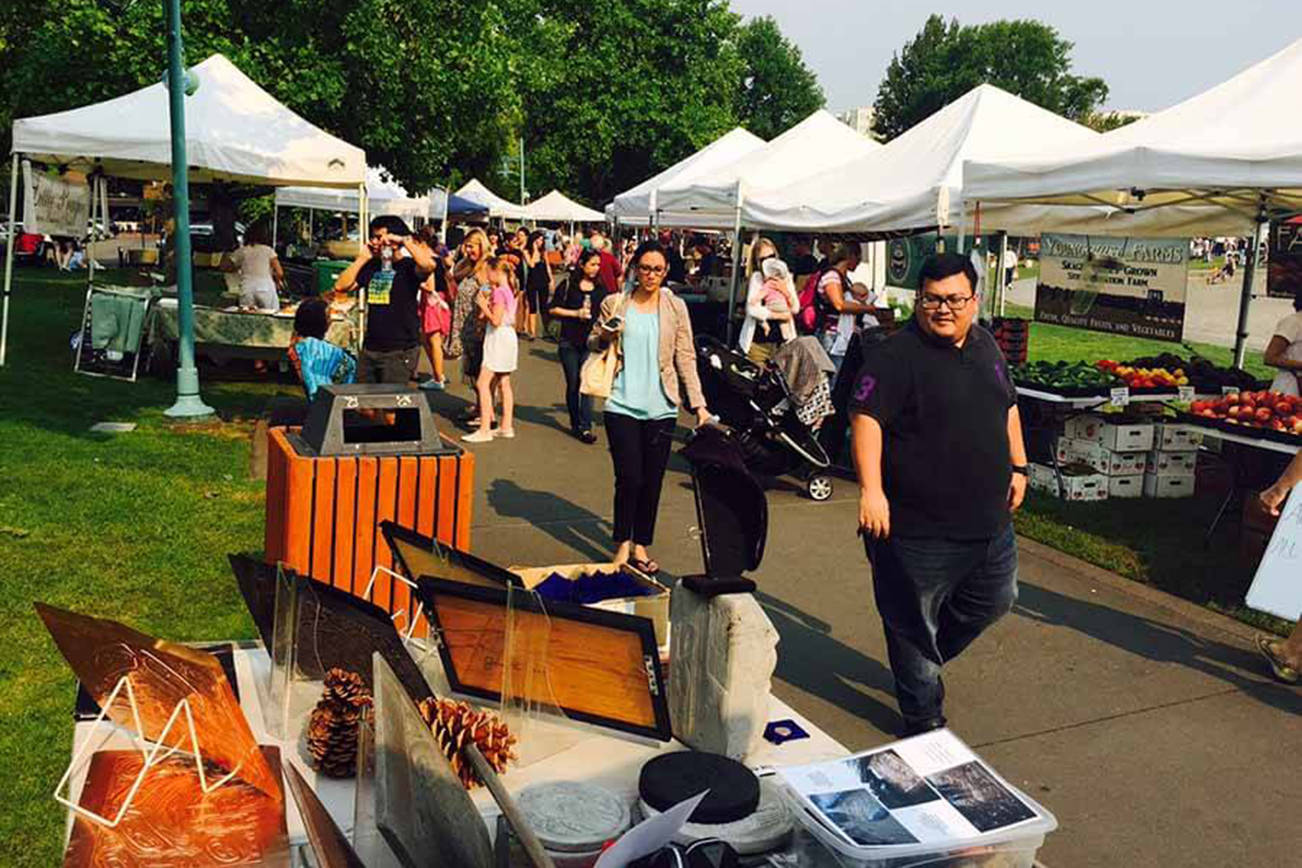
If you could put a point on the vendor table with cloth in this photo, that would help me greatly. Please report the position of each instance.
(607, 760)
(244, 334)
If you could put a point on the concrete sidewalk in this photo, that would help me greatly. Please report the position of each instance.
(1146, 724)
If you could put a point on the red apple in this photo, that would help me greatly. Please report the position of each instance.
(1231, 398)
(1263, 414)
(1276, 425)
(1234, 411)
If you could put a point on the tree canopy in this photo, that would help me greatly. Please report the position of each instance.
(604, 92)
(945, 61)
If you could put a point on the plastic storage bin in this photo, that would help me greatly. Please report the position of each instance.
(818, 846)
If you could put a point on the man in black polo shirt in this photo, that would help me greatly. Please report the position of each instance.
(942, 466)
(390, 269)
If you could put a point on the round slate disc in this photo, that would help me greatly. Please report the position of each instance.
(669, 779)
(762, 832)
(573, 817)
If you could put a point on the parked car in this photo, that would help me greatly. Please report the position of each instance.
(203, 238)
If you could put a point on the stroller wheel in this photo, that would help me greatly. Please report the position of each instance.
(819, 487)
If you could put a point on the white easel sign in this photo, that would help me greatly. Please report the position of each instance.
(54, 206)
(1277, 587)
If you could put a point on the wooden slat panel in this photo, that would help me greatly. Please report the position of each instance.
(386, 509)
(345, 523)
(408, 470)
(298, 513)
(323, 523)
(273, 538)
(368, 470)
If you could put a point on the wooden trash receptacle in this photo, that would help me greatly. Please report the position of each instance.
(323, 513)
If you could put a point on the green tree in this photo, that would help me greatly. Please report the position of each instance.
(1104, 122)
(776, 89)
(944, 61)
(422, 85)
(608, 104)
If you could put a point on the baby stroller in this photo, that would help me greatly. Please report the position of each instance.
(755, 402)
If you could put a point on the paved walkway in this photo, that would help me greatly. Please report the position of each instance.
(1143, 722)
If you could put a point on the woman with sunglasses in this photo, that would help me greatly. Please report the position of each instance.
(657, 364)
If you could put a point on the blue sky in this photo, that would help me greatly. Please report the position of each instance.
(1152, 53)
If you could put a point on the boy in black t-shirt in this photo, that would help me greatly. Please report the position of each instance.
(390, 269)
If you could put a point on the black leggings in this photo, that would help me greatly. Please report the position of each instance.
(639, 449)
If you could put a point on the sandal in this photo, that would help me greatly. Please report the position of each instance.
(648, 566)
(1282, 671)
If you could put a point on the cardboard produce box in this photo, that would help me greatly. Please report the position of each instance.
(1118, 434)
(1168, 486)
(1079, 482)
(654, 607)
(1171, 463)
(1099, 457)
(1174, 437)
(1125, 486)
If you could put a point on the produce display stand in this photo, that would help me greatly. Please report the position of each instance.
(599, 758)
(1237, 485)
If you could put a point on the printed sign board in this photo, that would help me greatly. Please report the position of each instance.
(54, 206)
(1275, 587)
(1284, 265)
(1128, 286)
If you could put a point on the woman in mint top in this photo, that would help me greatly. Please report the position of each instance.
(657, 372)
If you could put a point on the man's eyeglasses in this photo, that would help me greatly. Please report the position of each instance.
(954, 302)
(651, 269)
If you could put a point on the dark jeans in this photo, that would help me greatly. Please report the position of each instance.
(396, 367)
(935, 596)
(579, 405)
(639, 449)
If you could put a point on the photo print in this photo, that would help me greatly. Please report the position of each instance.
(980, 797)
(862, 818)
(892, 780)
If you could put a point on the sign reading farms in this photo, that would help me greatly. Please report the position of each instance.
(1127, 286)
(1284, 268)
(55, 206)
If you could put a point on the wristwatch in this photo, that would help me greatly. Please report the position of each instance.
(1020, 468)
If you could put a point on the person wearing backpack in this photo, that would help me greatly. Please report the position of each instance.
(771, 304)
(832, 298)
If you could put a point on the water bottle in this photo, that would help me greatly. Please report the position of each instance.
(587, 305)
(386, 258)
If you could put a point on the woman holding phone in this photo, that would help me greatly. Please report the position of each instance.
(656, 372)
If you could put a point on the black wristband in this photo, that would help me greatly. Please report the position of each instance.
(1020, 468)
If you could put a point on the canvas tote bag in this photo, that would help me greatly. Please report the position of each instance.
(597, 377)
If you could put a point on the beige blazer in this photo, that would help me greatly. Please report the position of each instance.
(677, 347)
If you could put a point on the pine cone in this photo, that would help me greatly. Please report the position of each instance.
(455, 724)
(346, 687)
(332, 727)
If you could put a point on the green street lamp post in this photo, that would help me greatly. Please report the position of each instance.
(188, 402)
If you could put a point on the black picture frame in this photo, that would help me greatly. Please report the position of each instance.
(429, 587)
(395, 532)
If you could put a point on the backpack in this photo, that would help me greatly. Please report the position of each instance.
(811, 304)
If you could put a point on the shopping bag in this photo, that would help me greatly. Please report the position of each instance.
(597, 376)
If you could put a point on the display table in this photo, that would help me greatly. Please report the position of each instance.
(243, 334)
(610, 761)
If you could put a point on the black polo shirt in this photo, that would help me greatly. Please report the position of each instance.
(392, 305)
(944, 417)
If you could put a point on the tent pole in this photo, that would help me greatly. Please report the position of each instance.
(1245, 297)
(310, 228)
(275, 224)
(736, 263)
(443, 224)
(1001, 274)
(188, 402)
(9, 257)
(90, 235)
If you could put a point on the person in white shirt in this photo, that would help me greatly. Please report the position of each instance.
(771, 304)
(1285, 351)
(260, 273)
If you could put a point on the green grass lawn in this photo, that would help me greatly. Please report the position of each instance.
(133, 527)
(136, 527)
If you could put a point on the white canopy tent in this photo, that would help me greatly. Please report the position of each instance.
(915, 181)
(1220, 163)
(558, 208)
(475, 191)
(637, 206)
(711, 199)
(236, 132)
(383, 196)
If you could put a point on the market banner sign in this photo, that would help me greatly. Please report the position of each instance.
(54, 206)
(904, 256)
(1284, 268)
(1126, 286)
